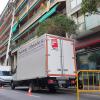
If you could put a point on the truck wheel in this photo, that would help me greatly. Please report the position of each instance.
(52, 89)
(34, 87)
(12, 85)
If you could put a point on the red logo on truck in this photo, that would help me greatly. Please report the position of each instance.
(54, 43)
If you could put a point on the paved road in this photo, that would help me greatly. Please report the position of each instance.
(7, 94)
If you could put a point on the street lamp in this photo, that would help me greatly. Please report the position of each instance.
(11, 4)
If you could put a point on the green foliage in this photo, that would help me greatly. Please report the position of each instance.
(57, 25)
(90, 6)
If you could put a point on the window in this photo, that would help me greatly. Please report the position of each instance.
(79, 20)
(89, 60)
(79, 2)
(5, 73)
(75, 3)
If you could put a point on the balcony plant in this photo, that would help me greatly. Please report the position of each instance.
(90, 6)
(57, 25)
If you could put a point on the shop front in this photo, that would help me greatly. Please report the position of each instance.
(88, 53)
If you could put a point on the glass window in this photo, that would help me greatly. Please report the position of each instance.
(73, 4)
(89, 60)
(1, 73)
(5, 73)
(79, 2)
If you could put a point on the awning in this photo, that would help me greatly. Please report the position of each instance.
(87, 43)
(27, 30)
(44, 17)
(14, 29)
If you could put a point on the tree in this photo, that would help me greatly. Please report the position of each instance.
(90, 6)
(57, 25)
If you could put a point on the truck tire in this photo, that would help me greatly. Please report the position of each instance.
(52, 89)
(12, 85)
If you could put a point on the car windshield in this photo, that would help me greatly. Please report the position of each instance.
(5, 73)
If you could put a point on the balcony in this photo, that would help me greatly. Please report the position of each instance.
(92, 25)
(93, 22)
(4, 39)
(25, 10)
(37, 15)
(6, 29)
(34, 18)
(5, 42)
(2, 53)
(31, 3)
(19, 3)
(22, 12)
(7, 19)
(23, 41)
(53, 2)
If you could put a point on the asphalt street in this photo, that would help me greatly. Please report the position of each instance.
(21, 94)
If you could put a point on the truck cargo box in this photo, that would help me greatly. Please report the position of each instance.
(48, 55)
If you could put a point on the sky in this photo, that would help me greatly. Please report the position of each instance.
(2, 5)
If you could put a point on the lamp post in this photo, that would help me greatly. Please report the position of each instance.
(11, 4)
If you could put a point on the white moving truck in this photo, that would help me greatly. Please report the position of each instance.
(45, 62)
(5, 75)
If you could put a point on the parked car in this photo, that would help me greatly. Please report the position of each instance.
(5, 75)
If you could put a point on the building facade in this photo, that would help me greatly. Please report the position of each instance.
(28, 15)
(5, 26)
(88, 39)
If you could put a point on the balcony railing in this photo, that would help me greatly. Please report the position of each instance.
(35, 17)
(26, 11)
(3, 50)
(5, 21)
(3, 53)
(32, 20)
(53, 2)
(31, 3)
(4, 39)
(4, 42)
(92, 21)
(22, 12)
(19, 3)
(6, 29)
(23, 41)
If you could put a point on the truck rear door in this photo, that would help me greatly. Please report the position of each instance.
(68, 57)
(54, 56)
(61, 60)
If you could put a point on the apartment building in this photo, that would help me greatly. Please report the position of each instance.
(5, 26)
(88, 39)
